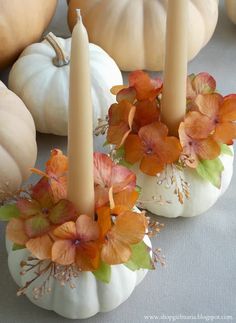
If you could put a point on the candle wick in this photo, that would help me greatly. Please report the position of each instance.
(78, 13)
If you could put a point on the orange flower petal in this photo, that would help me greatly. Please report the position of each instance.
(146, 88)
(57, 164)
(130, 227)
(115, 252)
(133, 149)
(59, 188)
(153, 133)
(87, 257)
(66, 231)
(146, 113)
(188, 153)
(151, 165)
(124, 201)
(128, 94)
(40, 247)
(228, 109)
(121, 117)
(209, 104)
(171, 150)
(197, 125)
(64, 252)
(104, 220)
(207, 149)
(225, 132)
(87, 229)
(15, 231)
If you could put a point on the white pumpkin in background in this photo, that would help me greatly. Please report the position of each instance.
(89, 296)
(133, 31)
(40, 78)
(157, 195)
(231, 10)
(18, 148)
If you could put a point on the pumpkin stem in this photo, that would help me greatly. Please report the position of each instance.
(61, 58)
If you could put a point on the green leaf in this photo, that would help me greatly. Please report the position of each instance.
(226, 150)
(7, 212)
(140, 257)
(211, 171)
(106, 143)
(103, 273)
(120, 153)
(138, 189)
(17, 247)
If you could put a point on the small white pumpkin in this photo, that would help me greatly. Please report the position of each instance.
(40, 78)
(203, 194)
(231, 10)
(18, 148)
(89, 297)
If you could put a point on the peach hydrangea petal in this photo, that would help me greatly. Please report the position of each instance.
(146, 88)
(151, 165)
(228, 109)
(15, 231)
(40, 247)
(124, 201)
(36, 226)
(207, 149)
(87, 229)
(66, 231)
(104, 220)
(115, 252)
(121, 117)
(87, 257)
(62, 212)
(133, 149)
(209, 104)
(225, 132)
(197, 125)
(146, 113)
(64, 252)
(128, 94)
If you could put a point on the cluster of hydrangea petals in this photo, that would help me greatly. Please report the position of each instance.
(49, 226)
(134, 123)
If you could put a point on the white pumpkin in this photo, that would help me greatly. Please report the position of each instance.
(40, 78)
(231, 9)
(18, 148)
(89, 297)
(203, 194)
(133, 31)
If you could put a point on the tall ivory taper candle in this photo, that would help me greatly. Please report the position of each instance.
(173, 105)
(80, 128)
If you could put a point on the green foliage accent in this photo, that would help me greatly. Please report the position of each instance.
(225, 149)
(211, 171)
(17, 247)
(119, 155)
(138, 189)
(7, 212)
(103, 273)
(140, 257)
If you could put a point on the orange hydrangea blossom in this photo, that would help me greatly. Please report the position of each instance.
(107, 174)
(56, 170)
(221, 112)
(77, 244)
(38, 216)
(141, 87)
(153, 148)
(121, 117)
(127, 229)
(196, 139)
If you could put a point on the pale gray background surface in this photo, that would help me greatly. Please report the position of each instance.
(200, 276)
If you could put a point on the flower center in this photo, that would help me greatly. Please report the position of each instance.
(77, 242)
(45, 211)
